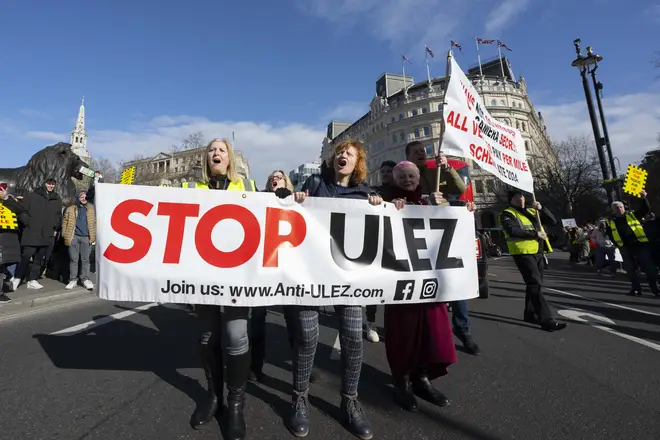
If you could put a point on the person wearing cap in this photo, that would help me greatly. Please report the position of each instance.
(78, 233)
(527, 240)
(44, 209)
(628, 234)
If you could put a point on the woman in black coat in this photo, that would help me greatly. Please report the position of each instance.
(12, 214)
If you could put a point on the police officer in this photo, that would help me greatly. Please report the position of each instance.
(628, 233)
(526, 241)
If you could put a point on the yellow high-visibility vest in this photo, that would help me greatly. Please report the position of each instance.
(523, 246)
(634, 224)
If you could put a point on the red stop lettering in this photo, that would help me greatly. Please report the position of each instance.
(245, 251)
(273, 241)
(139, 234)
(177, 212)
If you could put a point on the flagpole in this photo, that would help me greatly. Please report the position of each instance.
(428, 70)
(403, 68)
(443, 123)
(499, 52)
(481, 72)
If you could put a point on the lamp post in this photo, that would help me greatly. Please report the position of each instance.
(583, 63)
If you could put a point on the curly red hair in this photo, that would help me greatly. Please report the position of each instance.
(359, 174)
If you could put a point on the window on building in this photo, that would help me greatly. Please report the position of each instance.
(415, 112)
(400, 116)
(429, 150)
(493, 102)
(479, 186)
(425, 109)
(524, 126)
(417, 133)
(394, 139)
(518, 125)
(393, 119)
(402, 136)
(427, 131)
(502, 102)
(526, 145)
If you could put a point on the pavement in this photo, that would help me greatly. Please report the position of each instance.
(103, 371)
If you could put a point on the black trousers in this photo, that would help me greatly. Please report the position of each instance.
(31, 271)
(639, 253)
(258, 333)
(531, 269)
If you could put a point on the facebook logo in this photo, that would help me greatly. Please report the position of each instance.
(404, 290)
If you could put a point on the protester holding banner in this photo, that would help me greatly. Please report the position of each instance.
(346, 179)
(226, 334)
(418, 337)
(527, 240)
(451, 186)
(279, 183)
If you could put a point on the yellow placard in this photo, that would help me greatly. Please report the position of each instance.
(127, 176)
(7, 218)
(635, 180)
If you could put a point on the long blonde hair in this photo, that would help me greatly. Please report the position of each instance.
(232, 173)
(287, 181)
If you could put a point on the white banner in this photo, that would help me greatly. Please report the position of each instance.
(472, 133)
(170, 245)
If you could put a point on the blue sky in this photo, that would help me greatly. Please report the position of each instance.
(153, 71)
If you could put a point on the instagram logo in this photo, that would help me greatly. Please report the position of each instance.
(429, 288)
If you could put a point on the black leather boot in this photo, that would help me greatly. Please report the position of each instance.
(207, 407)
(298, 423)
(238, 369)
(403, 393)
(422, 387)
(354, 417)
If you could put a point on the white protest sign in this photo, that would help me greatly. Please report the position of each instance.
(569, 223)
(252, 249)
(471, 132)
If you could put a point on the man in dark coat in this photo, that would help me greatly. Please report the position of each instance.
(44, 208)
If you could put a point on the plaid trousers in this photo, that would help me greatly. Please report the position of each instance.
(350, 338)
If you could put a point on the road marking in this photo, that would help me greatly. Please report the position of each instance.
(335, 354)
(619, 306)
(578, 315)
(52, 308)
(106, 319)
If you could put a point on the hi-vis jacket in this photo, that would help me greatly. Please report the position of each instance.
(635, 226)
(519, 245)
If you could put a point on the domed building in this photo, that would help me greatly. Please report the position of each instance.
(403, 111)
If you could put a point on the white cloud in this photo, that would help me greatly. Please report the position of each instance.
(349, 111)
(267, 147)
(504, 13)
(47, 136)
(633, 122)
(653, 13)
(399, 22)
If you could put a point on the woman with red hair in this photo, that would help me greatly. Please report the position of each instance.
(346, 179)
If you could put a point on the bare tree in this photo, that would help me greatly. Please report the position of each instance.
(573, 187)
(109, 170)
(194, 140)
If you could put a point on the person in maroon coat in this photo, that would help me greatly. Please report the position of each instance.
(418, 337)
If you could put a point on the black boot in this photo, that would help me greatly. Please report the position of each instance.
(423, 388)
(207, 408)
(238, 369)
(403, 393)
(298, 423)
(553, 326)
(354, 417)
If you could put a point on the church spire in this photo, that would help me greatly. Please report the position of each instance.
(79, 135)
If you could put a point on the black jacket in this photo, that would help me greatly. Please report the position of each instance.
(45, 215)
(512, 227)
(627, 235)
(10, 248)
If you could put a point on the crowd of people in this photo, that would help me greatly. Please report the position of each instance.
(632, 234)
(419, 341)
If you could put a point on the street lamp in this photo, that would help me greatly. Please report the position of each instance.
(583, 63)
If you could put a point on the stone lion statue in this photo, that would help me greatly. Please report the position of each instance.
(57, 161)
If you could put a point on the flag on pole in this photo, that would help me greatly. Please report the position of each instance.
(405, 58)
(500, 44)
(429, 51)
(482, 41)
(456, 45)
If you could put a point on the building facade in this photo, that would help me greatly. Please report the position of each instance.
(301, 173)
(402, 112)
(79, 136)
(170, 169)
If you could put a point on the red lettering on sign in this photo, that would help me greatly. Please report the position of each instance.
(245, 251)
(139, 234)
(476, 131)
(177, 212)
(481, 154)
(273, 241)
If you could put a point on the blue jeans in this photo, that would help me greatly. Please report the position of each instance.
(11, 269)
(459, 319)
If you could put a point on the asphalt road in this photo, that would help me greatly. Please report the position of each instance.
(135, 376)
